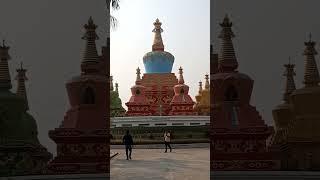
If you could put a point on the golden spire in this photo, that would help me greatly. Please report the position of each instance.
(207, 85)
(290, 85)
(181, 80)
(311, 73)
(200, 87)
(157, 42)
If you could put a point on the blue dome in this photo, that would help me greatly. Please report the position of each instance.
(158, 62)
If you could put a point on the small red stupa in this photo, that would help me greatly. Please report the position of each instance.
(182, 103)
(138, 104)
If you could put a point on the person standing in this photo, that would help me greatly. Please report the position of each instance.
(128, 142)
(167, 140)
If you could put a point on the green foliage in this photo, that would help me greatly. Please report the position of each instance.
(116, 108)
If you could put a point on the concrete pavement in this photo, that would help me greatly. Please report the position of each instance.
(181, 164)
(162, 146)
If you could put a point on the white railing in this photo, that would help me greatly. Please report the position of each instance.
(154, 120)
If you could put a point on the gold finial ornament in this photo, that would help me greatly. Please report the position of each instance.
(157, 42)
(181, 80)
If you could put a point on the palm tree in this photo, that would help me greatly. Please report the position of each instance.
(111, 20)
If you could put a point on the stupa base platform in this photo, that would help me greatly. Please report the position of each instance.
(19, 158)
(56, 167)
(102, 176)
(253, 161)
(264, 175)
(80, 151)
(245, 165)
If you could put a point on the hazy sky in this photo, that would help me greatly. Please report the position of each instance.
(186, 25)
(46, 36)
(267, 33)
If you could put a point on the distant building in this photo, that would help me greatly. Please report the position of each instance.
(202, 106)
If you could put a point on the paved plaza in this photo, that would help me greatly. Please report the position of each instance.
(180, 164)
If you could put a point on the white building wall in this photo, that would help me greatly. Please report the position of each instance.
(154, 121)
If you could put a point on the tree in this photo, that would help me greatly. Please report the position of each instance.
(114, 4)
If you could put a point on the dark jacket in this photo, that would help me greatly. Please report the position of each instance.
(127, 139)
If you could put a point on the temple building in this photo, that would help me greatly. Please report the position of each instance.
(20, 150)
(83, 136)
(116, 109)
(238, 132)
(159, 92)
(297, 119)
(159, 98)
(202, 106)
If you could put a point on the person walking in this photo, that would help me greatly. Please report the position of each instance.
(167, 140)
(128, 142)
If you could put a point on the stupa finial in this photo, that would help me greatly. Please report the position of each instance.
(90, 53)
(157, 42)
(138, 74)
(290, 85)
(311, 73)
(181, 80)
(207, 85)
(21, 90)
(227, 58)
(111, 83)
(289, 59)
(4, 51)
(310, 37)
(117, 87)
(200, 87)
(226, 22)
(5, 78)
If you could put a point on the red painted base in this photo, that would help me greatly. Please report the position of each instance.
(80, 151)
